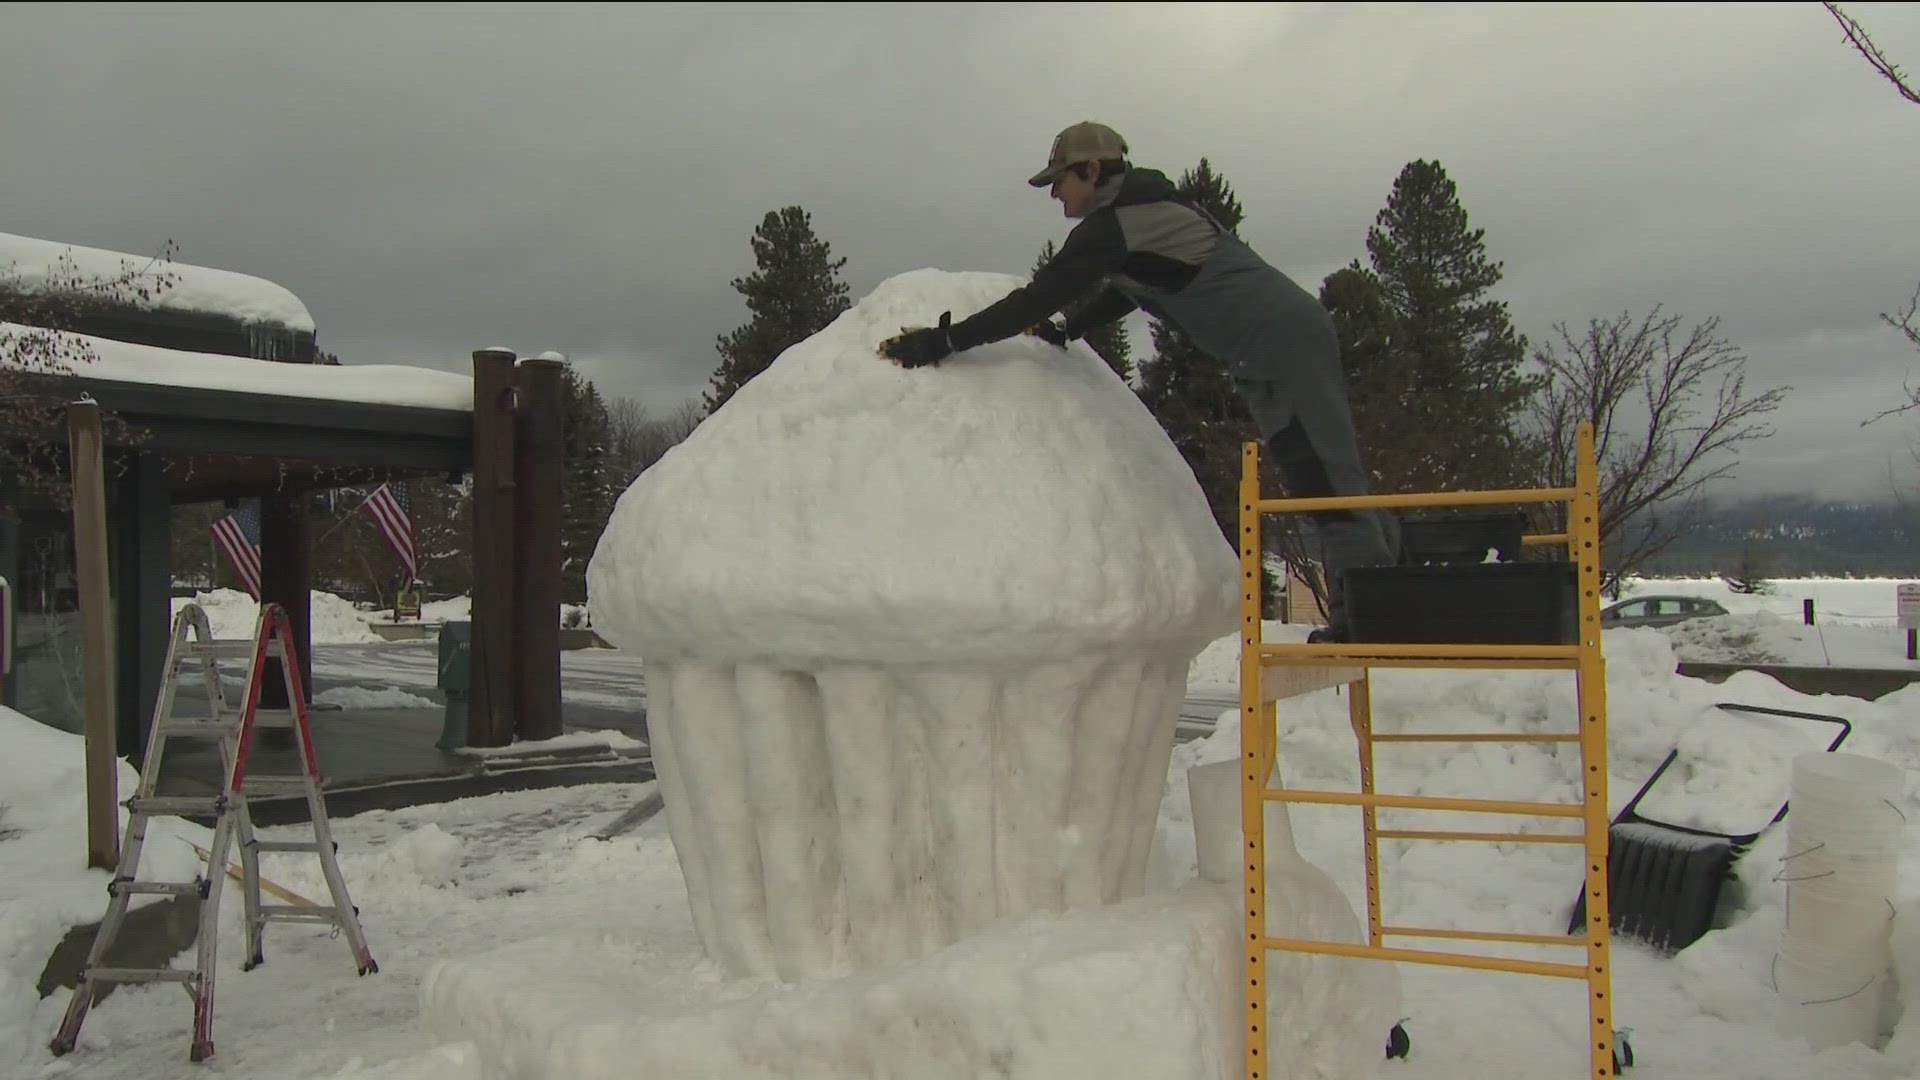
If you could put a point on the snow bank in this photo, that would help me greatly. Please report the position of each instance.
(1763, 638)
(1866, 600)
(948, 694)
(360, 697)
(45, 886)
(234, 614)
(376, 384)
(608, 738)
(27, 263)
(1148, 988)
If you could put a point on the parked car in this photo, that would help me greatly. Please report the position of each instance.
(1658, 611)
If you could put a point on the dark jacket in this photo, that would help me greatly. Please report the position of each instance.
(1152, 249)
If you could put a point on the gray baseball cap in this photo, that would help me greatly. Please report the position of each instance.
(1085, 141)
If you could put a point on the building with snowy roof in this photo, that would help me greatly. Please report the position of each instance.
(211, 391)
(152, 300)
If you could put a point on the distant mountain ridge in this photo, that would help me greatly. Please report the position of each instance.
(1797, 535)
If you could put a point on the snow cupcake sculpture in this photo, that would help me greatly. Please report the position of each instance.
(915, 640)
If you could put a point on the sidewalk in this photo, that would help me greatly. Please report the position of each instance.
(372, 759)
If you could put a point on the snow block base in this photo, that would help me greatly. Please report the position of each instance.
(1149, 988)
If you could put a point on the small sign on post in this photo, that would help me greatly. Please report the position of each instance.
(407, 606)
(1907, 607)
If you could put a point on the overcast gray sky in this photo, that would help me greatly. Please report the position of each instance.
(433, 179)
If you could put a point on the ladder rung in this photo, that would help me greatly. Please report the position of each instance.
(198, 729)
(1489, 737)
(1490, 837)
(139, 975)
(270, 786)
(1333, 654)
(1424, 956)
(270, 846)
(1500, 497)
(273, 718)
(296, 913)
(175, 805)
(156, 888)
(225, 649)
(1560, 941)
(1427, 802)
(1509, 663)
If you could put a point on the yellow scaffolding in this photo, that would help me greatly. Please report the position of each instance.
(1269, 673)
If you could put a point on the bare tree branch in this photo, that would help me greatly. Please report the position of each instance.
(1857, 37)
(1907, 321)
(637, 441)
(1668, 409)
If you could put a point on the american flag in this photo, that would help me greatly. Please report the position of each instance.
(393, 512)
(238, 536)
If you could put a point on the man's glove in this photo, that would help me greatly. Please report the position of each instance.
(921, 348)
(1050, 332)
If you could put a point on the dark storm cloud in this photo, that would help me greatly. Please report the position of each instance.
(433, 179)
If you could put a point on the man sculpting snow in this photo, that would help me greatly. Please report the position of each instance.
(1153, 250)
(915, 647)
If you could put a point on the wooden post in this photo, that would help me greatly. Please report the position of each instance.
(490, 706)
(539, 470)
(286, 579)
(1806, 610)
(96, 634)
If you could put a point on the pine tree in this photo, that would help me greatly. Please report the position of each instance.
(1189, 391)
(587, 495)
(1461, 388)
(1379, 375)
(794, 294)
(1109, 341)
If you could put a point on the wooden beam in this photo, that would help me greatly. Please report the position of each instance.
(200, 478)
(538, 469)
(96, 633)
(490, 706)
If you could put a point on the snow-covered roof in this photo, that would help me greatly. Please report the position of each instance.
(26, 263)
(379, 384)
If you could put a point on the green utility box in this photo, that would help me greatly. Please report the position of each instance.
(456, 680)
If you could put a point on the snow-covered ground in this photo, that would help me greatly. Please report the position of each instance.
(516, 883)
(1855, 622)
(334, 620)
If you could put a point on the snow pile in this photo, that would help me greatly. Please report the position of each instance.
(27, 263)
(1034, 1000)
(948, 695)
(1015, 501)
(360, 697)
(608, 738)
(45, 886)
(1763, 638)
(234, 614)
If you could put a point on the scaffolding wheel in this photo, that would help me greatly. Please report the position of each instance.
(1398, 1042)
(1622, 1053)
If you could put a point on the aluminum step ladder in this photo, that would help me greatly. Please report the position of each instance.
(233, 729)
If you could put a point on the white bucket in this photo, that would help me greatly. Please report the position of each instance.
(1828, 1008)
(1848, 801)
(1844, 835)
(1846, 778)
(1213, 792)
